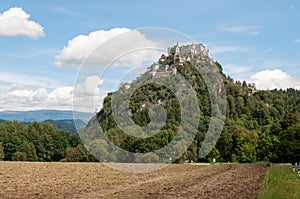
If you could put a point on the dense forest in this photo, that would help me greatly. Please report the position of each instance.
(39, 141)
(259, 126)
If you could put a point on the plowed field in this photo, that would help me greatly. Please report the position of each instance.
(94, 180)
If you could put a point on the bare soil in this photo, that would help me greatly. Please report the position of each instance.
(94, 180)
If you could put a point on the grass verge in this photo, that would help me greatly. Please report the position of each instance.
(280, 182)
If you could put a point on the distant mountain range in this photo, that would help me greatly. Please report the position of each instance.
(42, 115)
(61, 119)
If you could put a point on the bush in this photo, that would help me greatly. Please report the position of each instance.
(19, 156)
(147, 158)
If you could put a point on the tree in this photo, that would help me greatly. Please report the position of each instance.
(59, 143)
(146, 158)
(214, 154)
(245, 145)
(266, 149)
(28, 149)
(1, 151)
(11, 146)
(288, 120)
(19, 156)
(289, 147)
(98, 149)
(77, 154)
(38, 141)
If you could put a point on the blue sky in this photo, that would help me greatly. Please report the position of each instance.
(253, 40)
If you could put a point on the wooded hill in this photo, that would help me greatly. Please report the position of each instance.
(259, 126)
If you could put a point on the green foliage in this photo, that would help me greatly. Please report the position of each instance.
(67, 125)
(289, 146)
(266, 150)
(214, 154)
(29, 150)
(147, 158)
(245, 144)
(77, 154)
(2, 155)
(19, 156)
(36, 141)
(289, 119)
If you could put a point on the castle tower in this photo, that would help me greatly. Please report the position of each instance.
(177, 49)
(181, 60)
(193, 50)
(174, 71)
(202, 48)
(169, 51)
(166, 68)
(155, 66)
(188, 58)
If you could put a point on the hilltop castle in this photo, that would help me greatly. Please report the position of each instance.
(180, 55)
(188, 52)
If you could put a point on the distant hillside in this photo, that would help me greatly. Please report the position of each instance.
(67, 125)
(41, 115)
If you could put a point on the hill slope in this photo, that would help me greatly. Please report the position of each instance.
(67, 125)
(260, 125)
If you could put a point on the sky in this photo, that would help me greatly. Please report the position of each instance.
(44, 43)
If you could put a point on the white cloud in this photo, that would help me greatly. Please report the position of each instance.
(63, 10)
(219, 49)
(125, 40)
(15, 78)
(87, 94)
(252, 30)
(297, 41)
(89, 86)
(35, 99)
(21, 97)
(271, 79)
(234, 69)
(15, 22)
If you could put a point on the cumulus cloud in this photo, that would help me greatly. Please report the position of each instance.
(22, 97)
(15, 22)
(251, 30)
(271, 79)
(88, 95)
(125, 40)
(89, 86)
